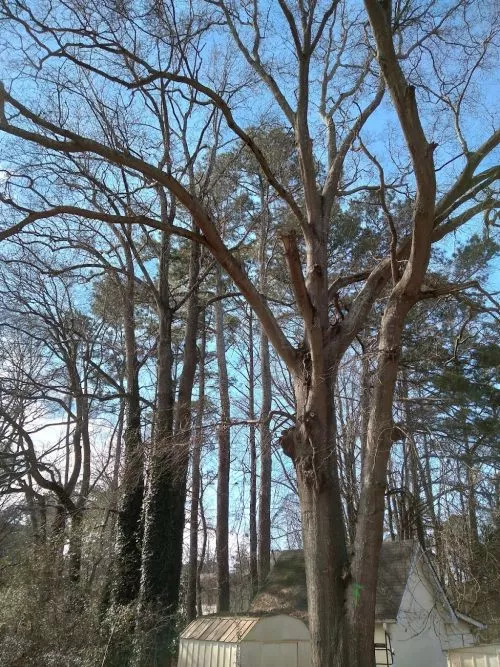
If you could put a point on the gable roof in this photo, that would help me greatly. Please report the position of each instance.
(235, 629)
(284, 590)
(228, 629)
(396, 560)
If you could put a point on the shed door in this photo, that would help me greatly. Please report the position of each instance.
(279, 654)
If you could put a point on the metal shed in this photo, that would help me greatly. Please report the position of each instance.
(237, 641)
(487, 655)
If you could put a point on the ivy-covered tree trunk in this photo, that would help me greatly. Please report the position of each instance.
(158, 586)
(166, 494)
(75, 545)
(183, 414)
(130, 527)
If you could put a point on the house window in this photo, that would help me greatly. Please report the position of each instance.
(384, 655)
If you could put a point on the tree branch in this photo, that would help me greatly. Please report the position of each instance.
(292, 257)
(74, 143)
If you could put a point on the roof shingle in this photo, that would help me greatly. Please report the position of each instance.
(284, 591)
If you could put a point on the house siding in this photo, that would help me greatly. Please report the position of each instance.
(424, 632)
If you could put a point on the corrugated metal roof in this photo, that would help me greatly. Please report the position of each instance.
(229, 629)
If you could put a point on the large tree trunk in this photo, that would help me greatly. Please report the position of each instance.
(159, 586)
(224, 439)
(192, 584)
(183, 416)
(311, 444)
(130, 527)
(77, 513)
(265, 462)
(264, 538)
(166, 495)
(381, 434)
(253, 458)
(406, 289)
(369, 529)
(75, 545)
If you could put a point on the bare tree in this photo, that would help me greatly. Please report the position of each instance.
(355, 66)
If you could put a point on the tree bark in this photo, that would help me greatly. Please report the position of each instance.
(253, 458)
(264, 527)
(158, 591)
(75, 545)
(224, 440)
(369, 528)
(191, 596)
(130, 526)
(166, 495)
(264, 540)
(311, 443)
(405, 292)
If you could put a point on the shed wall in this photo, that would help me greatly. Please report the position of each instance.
(270, 641)
(278, 628)
(196, 653)
(382, 657)
(275, 654)
(480, 656)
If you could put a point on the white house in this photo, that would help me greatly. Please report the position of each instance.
(415, 623)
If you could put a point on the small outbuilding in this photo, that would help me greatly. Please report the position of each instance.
(245, 641)
(477, 656)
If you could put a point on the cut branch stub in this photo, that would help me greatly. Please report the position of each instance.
(311, 463)
(397, 433)
(288, 442)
